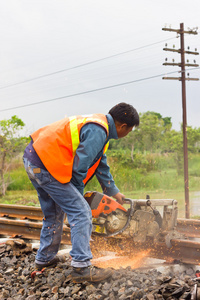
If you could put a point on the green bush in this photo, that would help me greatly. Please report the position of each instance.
(148, 172)
(144, 161)
(194, 165)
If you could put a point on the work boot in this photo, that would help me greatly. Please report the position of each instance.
(91, 273)
(52, 263)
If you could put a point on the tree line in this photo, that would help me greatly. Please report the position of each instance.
(154, 140)
(144, 148)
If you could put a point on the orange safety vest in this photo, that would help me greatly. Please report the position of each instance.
(56, 145)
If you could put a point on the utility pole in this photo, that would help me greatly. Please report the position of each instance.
(183, 78)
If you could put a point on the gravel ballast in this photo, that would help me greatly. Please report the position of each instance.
(17, 263)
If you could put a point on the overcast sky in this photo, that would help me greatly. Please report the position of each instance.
(73, 49)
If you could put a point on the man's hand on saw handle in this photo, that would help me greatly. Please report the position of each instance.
(119, 198)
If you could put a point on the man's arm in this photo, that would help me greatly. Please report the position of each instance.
(92, 140)
(107, 182)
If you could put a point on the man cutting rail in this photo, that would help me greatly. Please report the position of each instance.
(60, 159)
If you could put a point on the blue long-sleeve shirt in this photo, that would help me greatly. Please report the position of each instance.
(93, 138)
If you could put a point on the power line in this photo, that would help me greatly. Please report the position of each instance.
(91, 91)
(82, 65)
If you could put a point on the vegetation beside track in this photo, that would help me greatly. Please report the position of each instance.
(147, 161)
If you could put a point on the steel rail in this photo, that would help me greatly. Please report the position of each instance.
(185, 251)
(188, 227)
(27, 230)
(181, 251)
(21, 211)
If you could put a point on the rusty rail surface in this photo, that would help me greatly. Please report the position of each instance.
(28, 230)
(188, 227)
(183, 250)
(21, 211)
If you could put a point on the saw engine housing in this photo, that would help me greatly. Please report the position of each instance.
(137, 219)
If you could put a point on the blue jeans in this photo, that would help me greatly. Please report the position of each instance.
(55, 200)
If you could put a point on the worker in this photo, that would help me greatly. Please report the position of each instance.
(60, 159)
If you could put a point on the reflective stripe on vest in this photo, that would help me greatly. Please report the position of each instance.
(74, 122)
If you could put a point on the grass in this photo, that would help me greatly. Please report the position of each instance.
(129, 178)
(30, 198)
(20, 180)
(133, 182)
(21, 198)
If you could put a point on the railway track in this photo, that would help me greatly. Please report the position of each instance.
(26, 222)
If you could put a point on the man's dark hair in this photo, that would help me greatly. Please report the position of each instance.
(125, 113)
